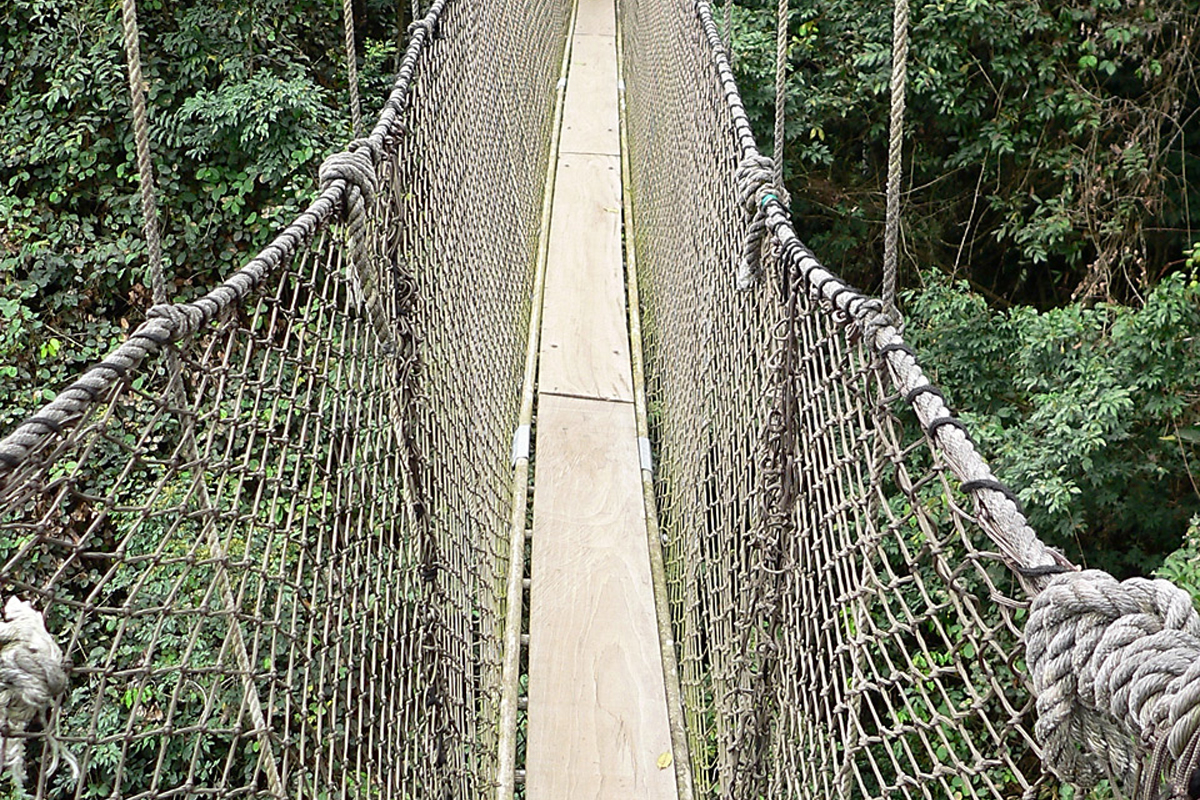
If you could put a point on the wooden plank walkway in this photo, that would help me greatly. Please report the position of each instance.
(598, 726)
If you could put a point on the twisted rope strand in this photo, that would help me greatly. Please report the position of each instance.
(141, 135)
(895, 153)
(352, 67)
(781, 54)
(1116, 665)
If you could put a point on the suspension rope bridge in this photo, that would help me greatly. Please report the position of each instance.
(539, 457)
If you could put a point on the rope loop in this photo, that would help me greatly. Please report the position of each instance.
(756, 186)
(356, 165)
(183, 319)
(1116, 672)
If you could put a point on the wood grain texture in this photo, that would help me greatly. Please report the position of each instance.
(584, 348)
(590, 121)
(597, 708)
(596, 17)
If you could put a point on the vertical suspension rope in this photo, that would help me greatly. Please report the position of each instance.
(895, 149)
(178, 394)
(352, 67)
(141, 135)
(781, 33)
(729, 28)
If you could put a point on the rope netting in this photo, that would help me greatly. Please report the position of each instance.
(270, 532)
(262, 549)
(849, 583)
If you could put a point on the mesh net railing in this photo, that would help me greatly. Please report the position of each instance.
(271, 531)
(844, 628)
(274, 547)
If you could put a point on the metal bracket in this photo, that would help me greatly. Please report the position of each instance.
(644, 456)
(520, 444)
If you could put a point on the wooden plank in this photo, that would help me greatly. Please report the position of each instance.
(585, 342)
(596, 17)
(597, 709)
(590, 121)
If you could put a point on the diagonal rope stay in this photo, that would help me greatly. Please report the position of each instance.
(352, 67)
(895, 154)
(141, 133)
(178, 395)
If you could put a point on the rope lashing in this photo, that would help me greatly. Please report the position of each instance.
(755, 178)
(356, 166)
(32, 677)
(1116, 672)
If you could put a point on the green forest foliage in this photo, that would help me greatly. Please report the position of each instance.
(1049, 158)
(1050, 220)
(1048, 144)
(245, 99)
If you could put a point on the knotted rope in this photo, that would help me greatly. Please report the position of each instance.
(1116, 671)
(356, 165)
(756, 186)
(33, 675)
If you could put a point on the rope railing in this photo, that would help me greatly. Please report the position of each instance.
(276, 561)
(261, 548)
(843, 628)
(344, 176)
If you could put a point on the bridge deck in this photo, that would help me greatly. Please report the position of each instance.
(598, 725)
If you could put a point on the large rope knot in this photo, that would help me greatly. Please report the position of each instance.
(1116, 672)
(755, 178)
(356, 165)
(182, 320)
(33, 675)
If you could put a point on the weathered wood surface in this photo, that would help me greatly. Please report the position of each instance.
(597, 702)
(598, 726)
(585, 340)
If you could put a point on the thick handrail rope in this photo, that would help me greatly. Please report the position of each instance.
(352, 67)
(996, 504)
(141, 135)
(756, 173)
(173, 322)
(895, 153)
(1115, 666)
